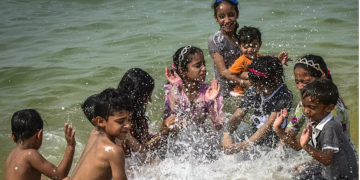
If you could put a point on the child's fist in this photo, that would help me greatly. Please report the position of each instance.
(69, 135)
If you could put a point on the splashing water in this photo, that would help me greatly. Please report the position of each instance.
(195, 154)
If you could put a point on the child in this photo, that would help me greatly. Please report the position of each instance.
(139, 86)
(224, 46)
(250, 43)
(187, 96)
(102, 158)
(328, 144)
(88, 107)
(268, 95)
(307, 69)
(25, 161)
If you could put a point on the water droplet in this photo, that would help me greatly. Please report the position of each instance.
(62, 108)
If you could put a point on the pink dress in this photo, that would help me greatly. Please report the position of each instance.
(177, 103)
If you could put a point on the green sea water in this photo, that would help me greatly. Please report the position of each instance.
(54, 54)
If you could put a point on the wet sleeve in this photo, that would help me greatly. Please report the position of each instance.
(298, 120)
(330, 139)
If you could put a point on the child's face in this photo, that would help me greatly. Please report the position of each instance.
(118, 125)
(302, 78)
(196, 70)
(226, 17)
(250, 50)
(314, 110)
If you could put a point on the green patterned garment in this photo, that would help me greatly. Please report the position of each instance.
(339, 113)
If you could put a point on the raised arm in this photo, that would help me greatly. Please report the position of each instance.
(231, 126)
(45, 167)
(285, 136)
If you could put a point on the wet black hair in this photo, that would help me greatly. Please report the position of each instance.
(138, 86)
(111, 101)
(183, 56)
(235, 5)
(269, 66)
(314, 72)
(323, 90)
(25, 123)
(88, 107)
(248, 34)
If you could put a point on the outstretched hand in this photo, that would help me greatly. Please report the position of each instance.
(235, 148)
(213, 91)
(283, 56)
(172, 78)
(305, 136)
(171, 125)
(69, 135)
(280, 118)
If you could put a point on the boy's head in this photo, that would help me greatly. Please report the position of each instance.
(319, 99)
(25, 124)
(250, 41)
(88, 107)
(112, 112)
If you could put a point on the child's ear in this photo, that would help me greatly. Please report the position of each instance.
(329, 108)
(39, 134)
(93, 121)
(13, 137)
(216, 19)
(100, 122)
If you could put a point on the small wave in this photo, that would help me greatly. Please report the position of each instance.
(333, 20)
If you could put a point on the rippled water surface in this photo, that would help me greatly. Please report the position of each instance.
(54, 54)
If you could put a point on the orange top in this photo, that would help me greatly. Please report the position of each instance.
(241, 65)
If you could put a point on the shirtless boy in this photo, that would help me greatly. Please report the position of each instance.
(102, 158)
(25, 162)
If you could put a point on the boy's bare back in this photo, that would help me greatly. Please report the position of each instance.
(17, 165)
(101, 159)
(25, 162)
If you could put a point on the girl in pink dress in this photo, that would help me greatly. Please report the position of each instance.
(186, 96)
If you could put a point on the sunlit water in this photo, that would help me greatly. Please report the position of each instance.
(54, 54)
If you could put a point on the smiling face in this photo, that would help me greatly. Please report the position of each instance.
(226, 17)
(196, 70)
(118, 125)
(315, 111)
(302, 78)
(250, 49)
